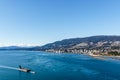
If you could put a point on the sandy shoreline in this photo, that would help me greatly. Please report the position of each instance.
(104, 57)
(113, 57)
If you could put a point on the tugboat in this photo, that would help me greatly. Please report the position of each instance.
(24, 69)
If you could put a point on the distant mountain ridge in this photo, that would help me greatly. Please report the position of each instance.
(90, 41)
(100, 43)
(14, 48)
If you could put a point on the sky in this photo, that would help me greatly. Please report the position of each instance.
(38, 22)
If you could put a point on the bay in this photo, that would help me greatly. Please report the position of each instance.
(53, 66)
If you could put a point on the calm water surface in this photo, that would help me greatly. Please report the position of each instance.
(50, 66)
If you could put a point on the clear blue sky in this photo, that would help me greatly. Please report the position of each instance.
(38, 22)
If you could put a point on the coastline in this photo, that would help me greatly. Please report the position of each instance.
(114, 57)
(103, 57)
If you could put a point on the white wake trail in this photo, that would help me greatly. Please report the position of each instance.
(8, 67)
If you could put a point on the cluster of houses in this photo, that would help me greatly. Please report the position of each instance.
(83, 51)
(99, 48)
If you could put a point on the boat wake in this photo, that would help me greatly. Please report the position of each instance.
(8, 67)
(32, 72)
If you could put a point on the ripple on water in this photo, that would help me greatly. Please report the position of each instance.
(87, 71)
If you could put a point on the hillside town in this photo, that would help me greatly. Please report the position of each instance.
(99, 48)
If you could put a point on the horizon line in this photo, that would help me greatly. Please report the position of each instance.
(36, 44)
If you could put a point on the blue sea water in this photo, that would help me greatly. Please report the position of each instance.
(52, 66)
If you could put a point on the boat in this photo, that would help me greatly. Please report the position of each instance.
(24, 69)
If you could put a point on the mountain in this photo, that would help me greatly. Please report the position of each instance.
(14, 48)
(93, 44)
(87, 41)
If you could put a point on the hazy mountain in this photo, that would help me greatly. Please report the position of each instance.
(87, 42)
(93, 42)
(14, 48)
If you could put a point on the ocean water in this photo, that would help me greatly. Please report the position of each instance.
(52, 66)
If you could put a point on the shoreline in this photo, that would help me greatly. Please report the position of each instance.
(114, 57)
(103, 57)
